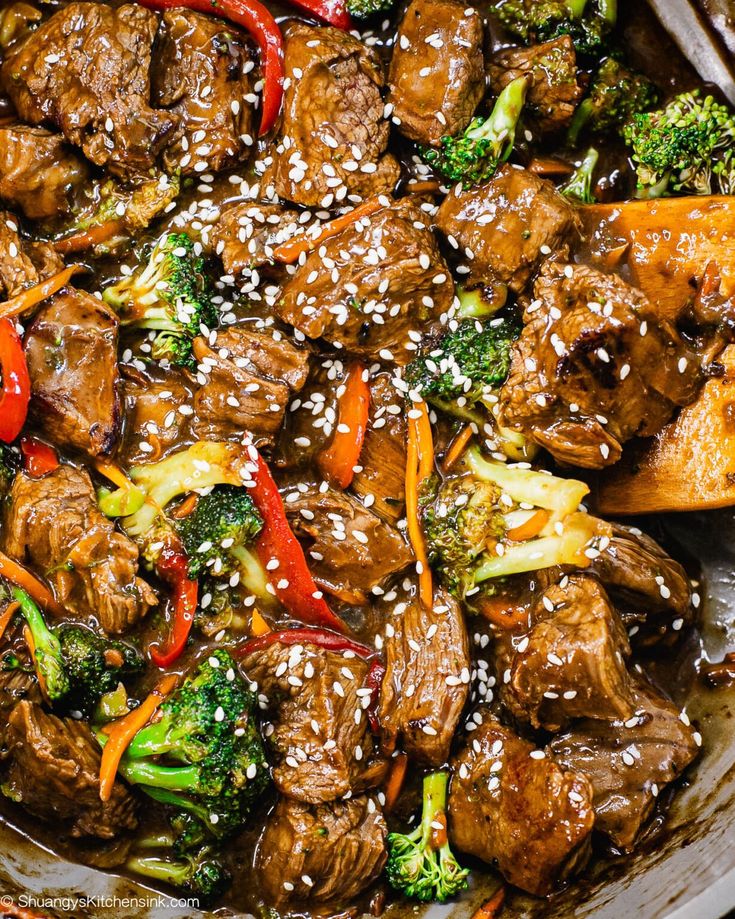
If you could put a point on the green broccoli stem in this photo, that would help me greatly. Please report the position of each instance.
(649, 192)
(47, 653)
(576, 8)
(252, 574)
(608, 10)
(176, 873)
(500, 126)
(579, 186)
(434, 804)
(582, 115)
(141, 772)
(180, 802)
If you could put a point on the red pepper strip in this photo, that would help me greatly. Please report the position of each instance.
(292, 580)
(257, 20)
(38, 458)
(373, 682)
(173, 567)
(333, 12)
(16, 385)
(337, 461)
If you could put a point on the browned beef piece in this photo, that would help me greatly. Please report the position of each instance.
(246, 234)
(15, 685)
(648, 585)
(53, 523)
(437, 72)
(333, 134)
(370, 285)
(38, 172)
(339, 848)
(71, 349)
(571, 664)
(629, 762)
(153, 403)
(85, 70)
(553, 92)
(198, 74)
(350, 550)
(53, 770)
(319, 734)
(250, 378)
(381, 477)
(22, 263)
(426, 680)
(524, 814)
(507, 226)
(594, 366)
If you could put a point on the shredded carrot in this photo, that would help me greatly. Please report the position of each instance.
(423, 188)
(396, 778)
(112, 472)
(23, 578)
(502, 612)
(7, 615)
(532, 527)
(27, 299)
(419, 466)
(121, 732)
(457, 446)
(28, 638)
(186, 507)
(258, 625)
(550, 167)
(87, 239)
(155, 441)
(490, 908)
(289, 252)
(338, 460)
(10, 910)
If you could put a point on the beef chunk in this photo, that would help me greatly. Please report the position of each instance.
(350, 549)
(153, 415)
(53, 771)
(553, 93)
(54, 524)
(246, 234)
(22, 264)
(250, 379)
(380, 480)
(437, 72)
(198, 74)
(94, 87)
(629, 762)
(339, 847)
(333, 133)
(320, 735)
(370, 285)
(524, 814)
(648, 585)
(572, 662)
(509, 225)
(71, 349)
(594, 367)
(38, 172)
(426, 681)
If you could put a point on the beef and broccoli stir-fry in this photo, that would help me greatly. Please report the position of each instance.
(310, 370)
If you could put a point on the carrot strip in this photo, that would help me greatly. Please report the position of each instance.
(419, 465)
(87, 239)
(27, 299)
(503, 613)
(532, 527)
(28, 638)
(112, 472)
(337, 461)
(122, 731)
(289, 252)
(490, 908)
(423, 188)
(7, 615)
(186, 507)
(23, 578)
(399, 766)
(258, 625)
(10, 910)
(456, 448)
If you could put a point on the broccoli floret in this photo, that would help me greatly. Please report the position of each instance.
(685, 147)
(170, 294)
(495, 520)
(467, 363)
(474, 156)
(421, 864)
(200, 873)
(363, 9)
(47, 651)
(204, 756)
(534, 21)
(94, 665)
(579, 186)
(615, 96)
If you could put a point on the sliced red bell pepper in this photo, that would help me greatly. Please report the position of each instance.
(333, 12)
(16, 384)
(337, 461)
(39, 459)
(292, 580)
(173, 567)
(258, 21)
